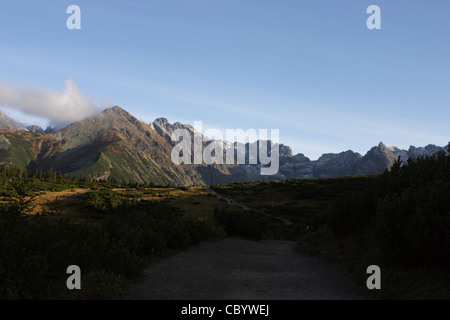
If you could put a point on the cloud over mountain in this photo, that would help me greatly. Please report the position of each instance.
(61, 108)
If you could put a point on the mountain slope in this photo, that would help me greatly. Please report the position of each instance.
(18, 148)
(111, 145)
(115, 145)
(6, 123)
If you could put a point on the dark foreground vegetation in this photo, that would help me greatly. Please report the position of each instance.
(399, 220)
(408, 211)
(35, 250)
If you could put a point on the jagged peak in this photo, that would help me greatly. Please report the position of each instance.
(116, 114)
(50, 129)
(349, 154)
(161, 121)
(107, 118)
(35, 128)
(381, 146)
(163, 125)
(301, 156)
(8, 123)
(285, 150)
(116, 110)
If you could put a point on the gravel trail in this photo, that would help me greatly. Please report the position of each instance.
(235, 269)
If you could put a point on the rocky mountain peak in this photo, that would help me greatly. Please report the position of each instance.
(117, 112)
(285, 151)
(382, 146)
(336, 164)
(380, 150)
(300, 157)
(427, 151)
(111, 121)
(50, 129)
(6, 123)
(161, 122)
(164, 128)
(115, 144)
(35, 128)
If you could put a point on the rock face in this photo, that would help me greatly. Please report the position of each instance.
(35, 128)
(427, 151)
(336, 165)
(376, 160)
(50, 130)
(6, 123)
(115, 145)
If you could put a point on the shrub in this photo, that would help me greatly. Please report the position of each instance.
(240, 224)
(36, 251)
(409, 208)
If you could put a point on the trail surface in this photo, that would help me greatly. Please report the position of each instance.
(230, 201)
(243, 270)
(233, 202)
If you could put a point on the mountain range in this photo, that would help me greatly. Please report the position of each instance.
(115, 145)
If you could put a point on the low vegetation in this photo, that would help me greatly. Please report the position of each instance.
(399, 220)
(36, 249)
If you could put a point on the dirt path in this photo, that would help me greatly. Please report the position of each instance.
(230, 201)
(243, 270)
(233, 202)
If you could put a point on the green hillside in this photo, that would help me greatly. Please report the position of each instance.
(17, 148)
(113, 159)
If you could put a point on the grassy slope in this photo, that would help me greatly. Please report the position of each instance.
(118, 164)
(20, 151)
(114, 160)
(193, 202)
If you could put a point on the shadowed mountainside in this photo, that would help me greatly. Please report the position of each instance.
(115, 145)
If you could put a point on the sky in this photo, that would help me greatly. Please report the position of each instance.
(310, 68)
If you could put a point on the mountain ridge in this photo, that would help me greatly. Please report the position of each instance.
(115, 145)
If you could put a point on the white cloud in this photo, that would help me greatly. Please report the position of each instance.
(61, 108)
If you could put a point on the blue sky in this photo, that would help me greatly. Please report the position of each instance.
(309, 68)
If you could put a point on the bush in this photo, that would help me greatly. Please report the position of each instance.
(413, 227)
(241, 224)
(104, 201)
(352, 212)
(409, 208)
(35, 251)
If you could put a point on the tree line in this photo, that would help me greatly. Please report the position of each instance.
(408, 210)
